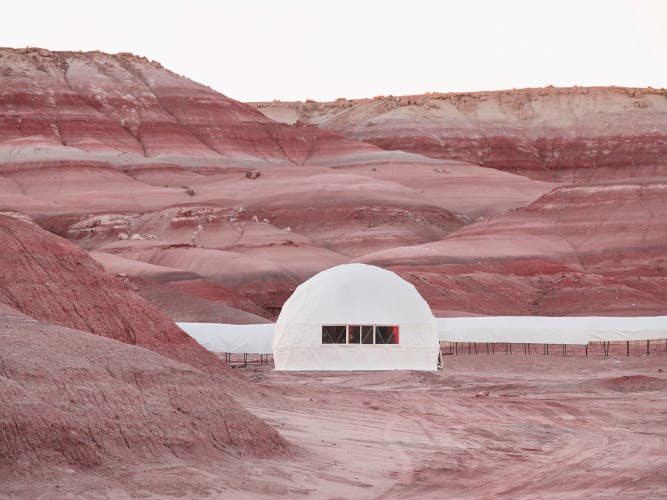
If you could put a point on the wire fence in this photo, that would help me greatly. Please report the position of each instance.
(605, 349)
(244, 359)
(593, 349)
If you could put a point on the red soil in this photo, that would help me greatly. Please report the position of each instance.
(562, 134)
(513, 426)
(71, 402)
(52, 280)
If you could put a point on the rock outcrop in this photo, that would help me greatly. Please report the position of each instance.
(127, 386)
(556, 134)
(130, 109)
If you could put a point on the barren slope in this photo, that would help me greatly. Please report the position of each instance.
(52, 280)
(587, 249)
(124, 108)
(72, 401)
(556, 134)
(514, 426)
(182, 184)
(213, 211)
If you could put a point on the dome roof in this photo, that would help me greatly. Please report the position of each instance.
(355, 294)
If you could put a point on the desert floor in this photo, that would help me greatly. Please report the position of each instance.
(487, 425)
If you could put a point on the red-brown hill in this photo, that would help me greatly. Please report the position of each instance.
(50, 279)
(579, 250)
(123, 109)
(214, 211)
(556, 134)
(71, 401)
(182, 183)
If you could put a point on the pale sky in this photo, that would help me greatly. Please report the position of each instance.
(297, 49)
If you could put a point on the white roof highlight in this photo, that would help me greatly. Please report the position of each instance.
(355, 294)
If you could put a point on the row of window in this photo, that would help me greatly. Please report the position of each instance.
(359, 334)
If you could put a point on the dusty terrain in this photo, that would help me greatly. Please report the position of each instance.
(72, 401)
(91, 375)
(215, 212)
(131, 196)
(509, 425)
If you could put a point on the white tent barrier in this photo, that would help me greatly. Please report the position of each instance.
(551, 330)
(220, 337)
(513, 329)
(258, 339)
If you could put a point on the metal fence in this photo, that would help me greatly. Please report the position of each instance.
(245, 359)
(605, 349)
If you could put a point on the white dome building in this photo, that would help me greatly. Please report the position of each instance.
(356, 317)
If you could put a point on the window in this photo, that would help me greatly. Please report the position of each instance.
(353, 334)
(386, 335)
(367, 334)
(359, 334)
(333, 334)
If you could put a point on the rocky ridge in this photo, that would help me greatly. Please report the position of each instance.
(555, 134)
(216, 212)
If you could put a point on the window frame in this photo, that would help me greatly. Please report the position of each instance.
(333, 343)
(361, 334)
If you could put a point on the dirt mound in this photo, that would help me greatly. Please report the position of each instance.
(50, 279)
(72, 399)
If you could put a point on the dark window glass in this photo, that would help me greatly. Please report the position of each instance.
(333, 334)
(353, 334)
(367, 334)
(386, 335)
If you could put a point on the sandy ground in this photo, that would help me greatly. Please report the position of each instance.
(506, 425)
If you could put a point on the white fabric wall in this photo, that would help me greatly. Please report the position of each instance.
(614, 329)
(519, 329)
(551, 330)
(219, 337)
